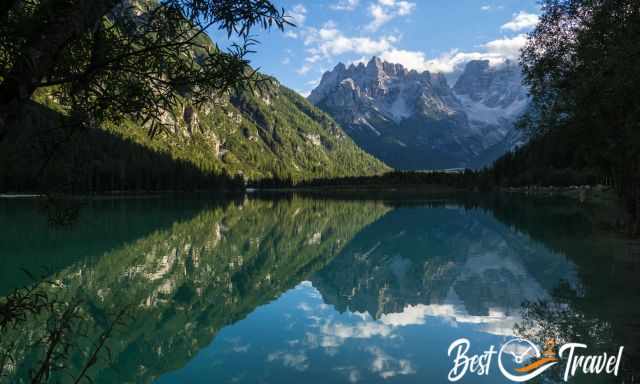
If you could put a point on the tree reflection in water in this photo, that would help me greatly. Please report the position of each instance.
(185, 280)
(60, 339)
(561, 320)
(174, 289)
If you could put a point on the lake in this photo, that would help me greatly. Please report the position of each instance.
(288, 288)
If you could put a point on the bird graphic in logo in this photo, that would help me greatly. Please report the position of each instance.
(525, 360)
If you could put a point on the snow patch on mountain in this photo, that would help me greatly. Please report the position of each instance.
(415, 120)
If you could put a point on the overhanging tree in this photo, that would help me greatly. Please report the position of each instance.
(115, 59)
(581, 63)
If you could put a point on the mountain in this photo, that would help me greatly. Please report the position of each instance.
(261, 132)
(477, 269)
(266, 132)
(493, 98)
(186, 282)
(416, 120)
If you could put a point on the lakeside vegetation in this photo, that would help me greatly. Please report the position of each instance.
(487, 179)
(148, 103)
(580, 64)
(208, 121)
(135, 96)
(185, 281)
(191, 270)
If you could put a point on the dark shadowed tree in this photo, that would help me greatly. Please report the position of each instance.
(115, 59)
(581, 63)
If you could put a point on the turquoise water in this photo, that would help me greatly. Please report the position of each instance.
(290, 289)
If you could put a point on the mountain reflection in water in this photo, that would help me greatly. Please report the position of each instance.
(294, 288)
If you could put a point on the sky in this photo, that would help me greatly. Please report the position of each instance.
(435, 35)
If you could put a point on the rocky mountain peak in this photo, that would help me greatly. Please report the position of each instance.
(498, 85)
(390, 89)
(415, 120)
(375, 65)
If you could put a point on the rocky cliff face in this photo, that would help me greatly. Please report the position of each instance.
(493, 99)
(388, 91)
(414, 120)
(186, 282)
(268, 132)
(478, 270)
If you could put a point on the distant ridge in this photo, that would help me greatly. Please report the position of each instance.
(416, 120)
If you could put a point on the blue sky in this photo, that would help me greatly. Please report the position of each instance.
(436, 35)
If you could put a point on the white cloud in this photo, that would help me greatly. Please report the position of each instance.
(345, 5)
(361, 330)
(306, 67)
(496, 51)
(405, 8)
(507, 47)
(521, 21)
(298, 15)
(354, 376)
(409, 59)
(387, 366)
(241, 348)
(328, 41)
(417, 60)
(410, 315)
(313, 58)
(351, 372)
(298, 361)
(497, 322)
(380, 16)
(331, 42)
(489, 7)
(385, 10)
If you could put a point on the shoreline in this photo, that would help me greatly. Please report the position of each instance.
(583, 193)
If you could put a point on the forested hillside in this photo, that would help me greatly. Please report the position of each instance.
(192, 119)
(581, 64)
(246, 136)
(184, 283)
